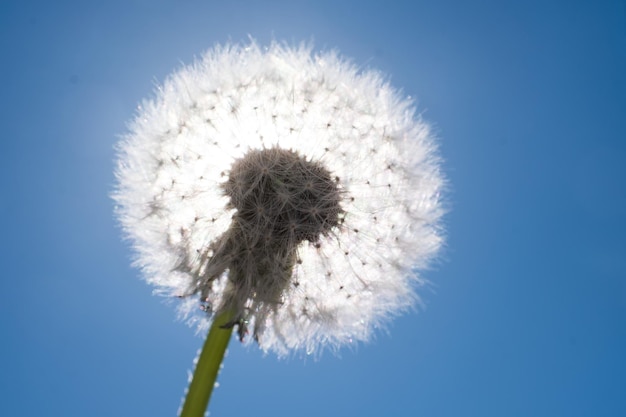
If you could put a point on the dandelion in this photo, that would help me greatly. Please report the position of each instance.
(287, 191)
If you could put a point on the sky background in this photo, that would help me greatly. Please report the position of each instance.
(528, 312)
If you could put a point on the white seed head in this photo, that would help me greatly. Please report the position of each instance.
(285, 186)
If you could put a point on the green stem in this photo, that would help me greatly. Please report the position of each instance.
(208, 367)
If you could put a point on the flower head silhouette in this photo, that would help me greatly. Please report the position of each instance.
(290, 188)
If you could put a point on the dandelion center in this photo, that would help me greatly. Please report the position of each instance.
(282, 199)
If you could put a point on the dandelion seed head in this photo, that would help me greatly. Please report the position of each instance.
(287, 186)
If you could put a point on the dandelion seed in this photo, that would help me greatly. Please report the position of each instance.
(288, 187)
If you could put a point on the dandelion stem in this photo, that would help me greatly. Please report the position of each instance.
(208, 367)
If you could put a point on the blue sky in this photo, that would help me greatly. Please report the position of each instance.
(528, 312)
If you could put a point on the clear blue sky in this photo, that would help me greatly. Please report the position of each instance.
(528, 315)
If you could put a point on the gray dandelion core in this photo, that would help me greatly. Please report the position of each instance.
(289, 187)
(280, 195)
(280, 200)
